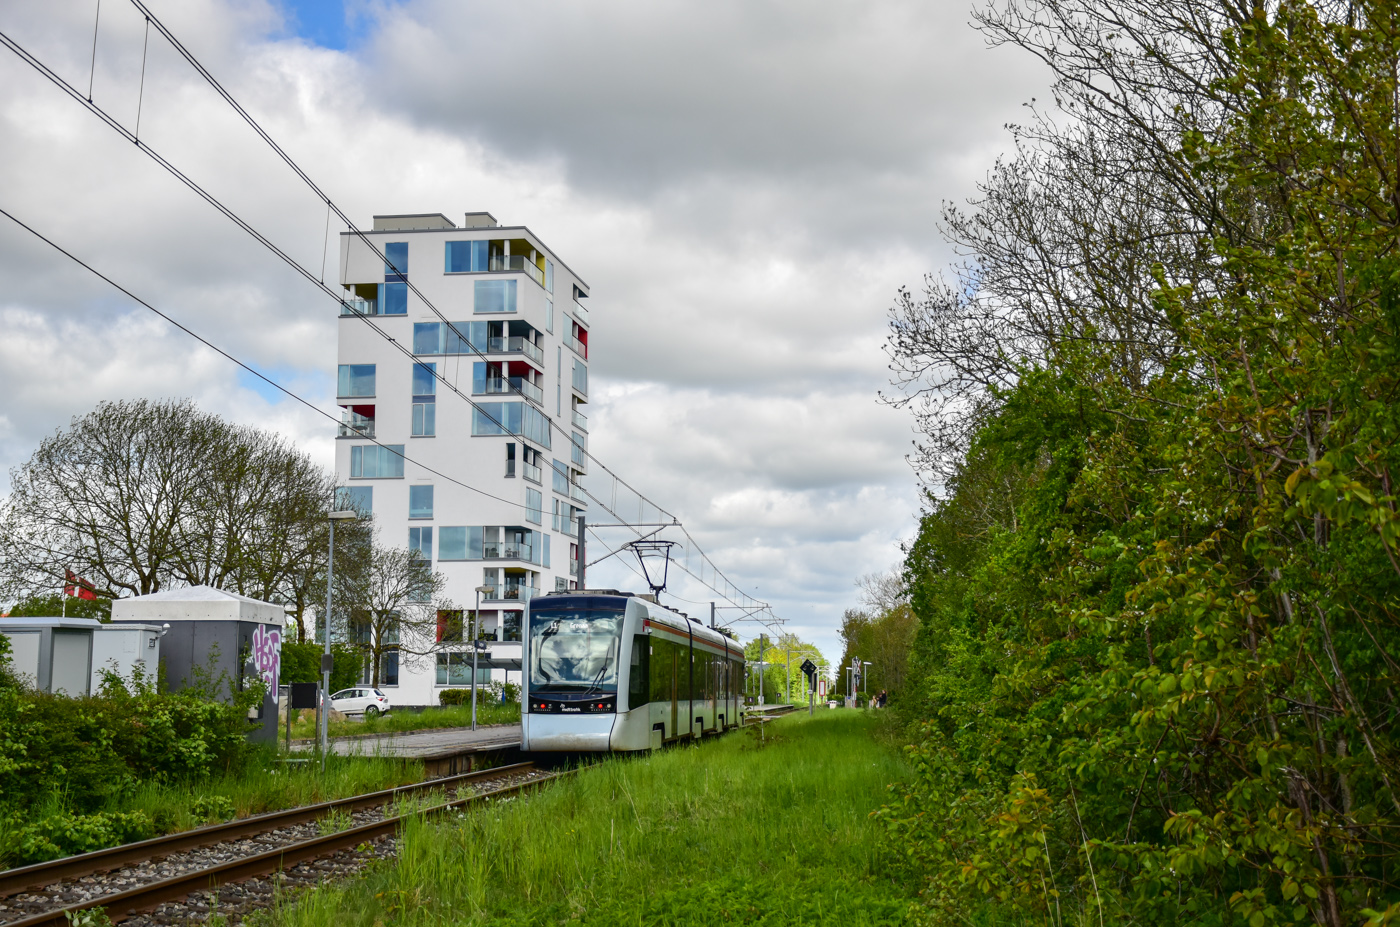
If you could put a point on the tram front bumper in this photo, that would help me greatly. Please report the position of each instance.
(584, 733)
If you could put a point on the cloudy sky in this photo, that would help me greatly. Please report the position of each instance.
(744, 185)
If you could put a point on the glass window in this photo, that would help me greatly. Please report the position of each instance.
(420, 540)
(420, 501)
(355, 380)
(395, 299)
(389, 669)
(534, 506)
(449, 625)
(549, 282)
(478, 377)
(561, 477)
(395, 261)
(510, 458)
(372, 461)
(576, 448)
(574, 649)
(452, 544)
(580, 376)
(424, 417)
(355, 498)
(549, 315)
(495, 296)
(462, 257)
(475, 544)
(544, 549)
(455, 669)
(427, 338)
(459, 337)
(424, 379)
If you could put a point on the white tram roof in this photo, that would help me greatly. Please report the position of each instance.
(678, 621)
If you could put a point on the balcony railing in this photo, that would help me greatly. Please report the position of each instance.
(511, 592)
(580, 420)
(578, 347)
(364, 430)
(573, 567)
(580, 313)
(512, 384)
(516, 345)
(495, 550)
(576, 493)
(356, 306)
(516, 262)
(532, 472)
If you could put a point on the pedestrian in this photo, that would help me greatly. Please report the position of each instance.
(881, 698)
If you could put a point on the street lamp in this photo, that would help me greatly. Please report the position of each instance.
(322, 708)
(864, 678)
(476, 617)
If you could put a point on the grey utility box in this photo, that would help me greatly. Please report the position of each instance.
(215, 639)
(52, 654)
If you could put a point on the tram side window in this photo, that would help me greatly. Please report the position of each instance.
(637, 677)
(663, 669)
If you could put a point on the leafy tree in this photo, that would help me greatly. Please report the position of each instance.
(780, 679)
(52, 605)
(1157, 577)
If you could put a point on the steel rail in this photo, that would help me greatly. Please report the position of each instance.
(13, 881)
(124, 904)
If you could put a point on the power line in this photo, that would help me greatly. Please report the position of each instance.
(213, 347)
(731, 592)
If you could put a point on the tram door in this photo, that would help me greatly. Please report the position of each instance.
(675, 682)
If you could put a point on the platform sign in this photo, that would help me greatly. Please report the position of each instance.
(821, 688)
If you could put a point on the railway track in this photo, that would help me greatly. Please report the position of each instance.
(294, 833)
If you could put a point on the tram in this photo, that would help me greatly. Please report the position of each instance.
(613, 671)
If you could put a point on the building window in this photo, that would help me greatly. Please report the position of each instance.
(455, 669)
(389, 669)
(510, 626)
(373, 461)
(561, 478)
(581, 376)
(355, 498)
(452, 544)
(395, 261)
(566, 518)
(534, 506)
(424, 379)
(424, 416)
(517, 418)
(420, 501)
(549, 283)
(561, 584)
(420, 541)
(494, 296)
(449, 625)
(427, 337)
(510, 458)
(394, 299)
(578, 445)
(355, 380)
(465, 257)
(549, 316)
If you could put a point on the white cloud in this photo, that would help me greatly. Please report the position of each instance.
(744, 186)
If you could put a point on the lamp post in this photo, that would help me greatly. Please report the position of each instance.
(476, 617)
(865, 679)
(322, 706)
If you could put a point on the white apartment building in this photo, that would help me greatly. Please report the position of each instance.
(510, 298)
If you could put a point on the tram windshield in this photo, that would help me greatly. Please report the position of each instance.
(574, 649)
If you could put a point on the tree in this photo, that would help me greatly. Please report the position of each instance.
(782, 677)
(880, 634)
(1155, 579)
(52, 605)
(139, 495)
(392, 607)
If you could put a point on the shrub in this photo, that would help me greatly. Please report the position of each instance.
(64, 834)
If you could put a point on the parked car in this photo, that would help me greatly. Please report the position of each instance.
(360, 701)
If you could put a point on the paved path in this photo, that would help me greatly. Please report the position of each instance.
(429, 742)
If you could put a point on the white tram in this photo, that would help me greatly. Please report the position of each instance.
(607, 670)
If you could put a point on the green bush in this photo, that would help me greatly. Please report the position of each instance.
(302, 663)
(456, 697)
(64, 834)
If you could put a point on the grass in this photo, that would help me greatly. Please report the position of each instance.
(487, 712)
(262, 784)
(730, 831)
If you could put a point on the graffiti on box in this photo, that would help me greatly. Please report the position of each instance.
(267, 655)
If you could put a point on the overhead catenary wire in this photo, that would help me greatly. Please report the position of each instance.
(214, 347)
(730, 591)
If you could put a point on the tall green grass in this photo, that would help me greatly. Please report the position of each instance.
(734, 830)
(487, 712)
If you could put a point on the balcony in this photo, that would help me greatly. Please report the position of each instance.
(511, 592)
(532, 473)
(361, 430)
(495, 550)
(578, 347)
(580, 420)
(580, 313)
(576, 493)
(510, 385)
(518, 263)
(516, 346)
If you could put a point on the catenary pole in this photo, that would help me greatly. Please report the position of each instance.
(322, 704)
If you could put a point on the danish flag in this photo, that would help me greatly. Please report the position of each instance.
(78, 586)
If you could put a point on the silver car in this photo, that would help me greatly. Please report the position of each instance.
(360, 701)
